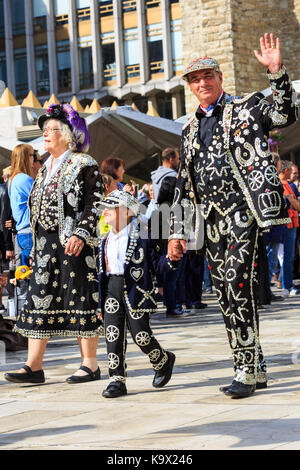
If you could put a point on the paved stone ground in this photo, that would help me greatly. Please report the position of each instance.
(189, 413)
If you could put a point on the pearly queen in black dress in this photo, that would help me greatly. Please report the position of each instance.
(62, 298)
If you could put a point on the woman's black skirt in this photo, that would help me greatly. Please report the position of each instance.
(62, 297)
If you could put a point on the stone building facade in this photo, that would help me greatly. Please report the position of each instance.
(229, 30)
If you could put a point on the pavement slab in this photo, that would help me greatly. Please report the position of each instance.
(190, 413)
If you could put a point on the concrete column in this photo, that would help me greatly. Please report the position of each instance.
(176, 105)
(96, 45)
(119, 43)
(167, 47)
(143, 44)
(153, 105)
(30, 46)
(74, 50)
(9, 47)
(52, 57)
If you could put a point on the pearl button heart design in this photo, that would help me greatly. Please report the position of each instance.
(136, 273)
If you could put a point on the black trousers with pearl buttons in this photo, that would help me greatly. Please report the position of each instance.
(116, 317)
(231, 249)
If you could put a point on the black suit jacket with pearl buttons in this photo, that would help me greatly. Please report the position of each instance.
(144, 259)
(240, 141)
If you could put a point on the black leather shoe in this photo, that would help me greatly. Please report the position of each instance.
(78, 379)
(240, 390)
(198, 306)
(162, 377)
(114, 390)
(259, 386)
(36, 377)
(277, 298)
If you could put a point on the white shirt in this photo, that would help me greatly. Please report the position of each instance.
(115, 250)
(57, 163)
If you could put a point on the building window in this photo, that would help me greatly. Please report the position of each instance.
(155, 48)
(61, 12)
(3, 76)
(106, 7)
(83, 4)
(164, 105)
(85, 62)
(20, 58)
(2, 31)
(108, 56)
(131, 52)
(42, 70)
(39, 15)
(61, 7)
(18, 17)
(176, 41)
(64, 66)
(128, 5)
(83, 10)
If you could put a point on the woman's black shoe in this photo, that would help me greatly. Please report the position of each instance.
(36, 377)
(162, 377)
(78, 379)
(114, 390)
(240, 390)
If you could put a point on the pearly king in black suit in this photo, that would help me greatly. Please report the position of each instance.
(227, 171)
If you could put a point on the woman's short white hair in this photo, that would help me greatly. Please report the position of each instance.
(69, 136)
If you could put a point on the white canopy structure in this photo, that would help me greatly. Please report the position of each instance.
(120, 131)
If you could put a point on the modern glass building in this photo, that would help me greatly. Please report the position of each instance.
(129, 50)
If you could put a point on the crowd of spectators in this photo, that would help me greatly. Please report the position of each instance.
(181, 290)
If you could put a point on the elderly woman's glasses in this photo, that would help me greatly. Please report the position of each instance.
(50, 130)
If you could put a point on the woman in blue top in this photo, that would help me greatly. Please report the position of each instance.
(20, 183)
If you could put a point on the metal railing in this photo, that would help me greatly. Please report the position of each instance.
(152, 3)
(156, 67)
(60, 20)
(106, 10)
(65, 81)
(40, 24)
(86, 80)
(129, 5)
(109, 73)
(43, 86)
(132, 70)
(18, 29)
(83, 14)
(21, 90)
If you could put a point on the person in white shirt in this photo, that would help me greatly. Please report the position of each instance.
(127, 264)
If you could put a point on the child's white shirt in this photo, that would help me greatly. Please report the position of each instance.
(115, 250)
